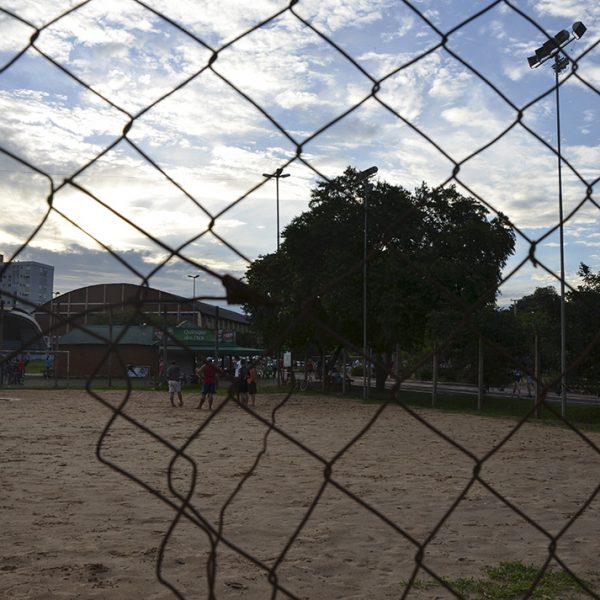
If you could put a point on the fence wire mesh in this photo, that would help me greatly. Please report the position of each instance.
(183, 503)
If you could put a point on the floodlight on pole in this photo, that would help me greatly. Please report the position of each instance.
(279, 174)
(362, 176)
(554, 49)
(555, 46)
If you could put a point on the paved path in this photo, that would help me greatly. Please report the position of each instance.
(466, 388)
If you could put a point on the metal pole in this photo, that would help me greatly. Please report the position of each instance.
(1, 342)
(362, 175)
(480, 375)
(343, 371)
(165, 334)
(277, 175)
(193, 278)
(397, 369)
(554, 48)
(216, 336)
(537, 374)
(563, 336)
(434, 375)
(110, 349)
(55, 345)
(277, 197)
(366, 208)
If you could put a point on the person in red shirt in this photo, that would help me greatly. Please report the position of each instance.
(208, 373)
(251, 379)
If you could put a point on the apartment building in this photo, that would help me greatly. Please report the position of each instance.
(25, 284)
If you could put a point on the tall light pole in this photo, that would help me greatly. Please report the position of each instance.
(55, 321)
(362, 176)
(193, 278)
(553, 49)
(279, 174)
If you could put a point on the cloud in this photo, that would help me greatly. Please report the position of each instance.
(211, 145)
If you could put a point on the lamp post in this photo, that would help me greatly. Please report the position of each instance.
(194, 313)
(553, 49)
(363, 176)
(279, 174)
(193, 278)
(55, 321)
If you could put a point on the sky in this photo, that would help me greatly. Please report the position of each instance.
(215, 94)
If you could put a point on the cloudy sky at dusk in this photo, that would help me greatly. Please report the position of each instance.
(213, 107)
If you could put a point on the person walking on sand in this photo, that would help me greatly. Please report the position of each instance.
(251, 379)
(237, 367)
(243, 383)
(208, 373)
(161, 372)
(174, 382)
(516, 391)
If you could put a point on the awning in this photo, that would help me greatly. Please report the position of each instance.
(222, 350)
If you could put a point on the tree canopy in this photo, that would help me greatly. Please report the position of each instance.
(430, 253)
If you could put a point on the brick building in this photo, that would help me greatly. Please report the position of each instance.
(107, 327)
(82, 307)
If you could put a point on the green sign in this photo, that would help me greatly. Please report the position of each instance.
(193, 336)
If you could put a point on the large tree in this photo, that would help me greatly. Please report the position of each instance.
(583, 330)
(430, 252)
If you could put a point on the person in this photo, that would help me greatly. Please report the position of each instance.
(243, 383)
(49, 366)
(207, 374)
(516, 383)
(530, 384)
(21, 370)
(310, 370)
(174, 383)
(237, 367)
(161, 372)
(251, 380)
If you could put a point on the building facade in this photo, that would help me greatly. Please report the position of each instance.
(25, 284)
(138, 304)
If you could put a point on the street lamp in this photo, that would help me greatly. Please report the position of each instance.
(193, 278)
(363, 176)
(554, 49)
(55, 320)
(277, 175)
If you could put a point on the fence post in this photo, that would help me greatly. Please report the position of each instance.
(480, 374)
(397, 369)
(55, 346)
(369, 363)
(434, 381)
(110, 348)
(164, 339)
(343, 372)
(537, 376)
(1, 342)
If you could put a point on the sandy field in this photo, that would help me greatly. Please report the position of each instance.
(337, 501)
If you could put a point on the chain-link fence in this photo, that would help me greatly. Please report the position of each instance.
(203, 53)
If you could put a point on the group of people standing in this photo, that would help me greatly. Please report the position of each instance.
(13, 371)
(244, 382)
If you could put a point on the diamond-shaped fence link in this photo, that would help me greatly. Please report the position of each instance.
(182, 503)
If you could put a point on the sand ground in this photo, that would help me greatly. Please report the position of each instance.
(336, 502)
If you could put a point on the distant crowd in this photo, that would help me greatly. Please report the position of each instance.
(12, 371)
(207, 374)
